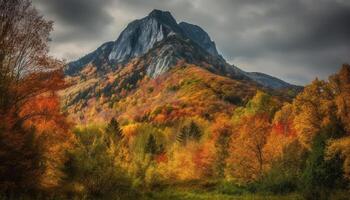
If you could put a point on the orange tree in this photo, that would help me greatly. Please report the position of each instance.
(33, 132)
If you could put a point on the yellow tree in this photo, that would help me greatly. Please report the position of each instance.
(312, 109)
(340, 147)
(247, 158)
(340, 84)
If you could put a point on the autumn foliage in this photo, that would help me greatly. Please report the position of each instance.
(135, 134)
(34, 132)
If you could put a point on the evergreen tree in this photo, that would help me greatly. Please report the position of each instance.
(222, 146)
(194, 131)
(189, 132)
(114, 130)
(183, 136)
(151, 146)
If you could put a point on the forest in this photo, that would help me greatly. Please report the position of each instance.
(263, 146)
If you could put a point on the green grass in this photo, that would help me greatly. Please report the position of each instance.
(190, 191)
(197, 195)
(211, 190)
(202, 190)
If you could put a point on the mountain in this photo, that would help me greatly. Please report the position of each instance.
(153, 59)
(143, 34)
(140, 36)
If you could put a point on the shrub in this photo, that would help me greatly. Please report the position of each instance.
(231, 188)
(277, 182)
(283, 176)
(92, 168)
(320, 176)
(173, 88)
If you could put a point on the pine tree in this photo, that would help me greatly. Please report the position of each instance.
(222, 146)
(189, 132)
(183, 136)
(113, 129)
(194, 131)
(151, 146)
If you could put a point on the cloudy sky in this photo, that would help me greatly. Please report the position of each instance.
(295, 40)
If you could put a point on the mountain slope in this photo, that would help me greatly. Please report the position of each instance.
(269, 81)
(98, 58)
(183, 91)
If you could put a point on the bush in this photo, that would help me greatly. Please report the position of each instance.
(173, 88)
(283, 176)
(230, 188)
(92, 169)
(321, 176)
(278, 183)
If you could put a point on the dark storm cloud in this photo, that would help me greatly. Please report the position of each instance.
(305, 26)
(79, 25)
(86, 14)
(296, 40)
(288, 26)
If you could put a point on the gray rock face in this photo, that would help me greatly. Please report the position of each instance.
(167, 54)
(163, 63)
(198, 35)
(140, 35)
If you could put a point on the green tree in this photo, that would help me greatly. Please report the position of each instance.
(113, 129)
(151, 145)
(194, 131)
(189, 132)
(285, 171)
(320, 176)
(182, 137)
(222, 151)
(262, 103)
(92, 166)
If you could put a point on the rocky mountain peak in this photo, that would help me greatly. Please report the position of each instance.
(140, 35)
(162, 15)
(198, 35)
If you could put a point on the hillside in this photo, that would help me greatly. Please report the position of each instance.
(175, 74)
(187, 90)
